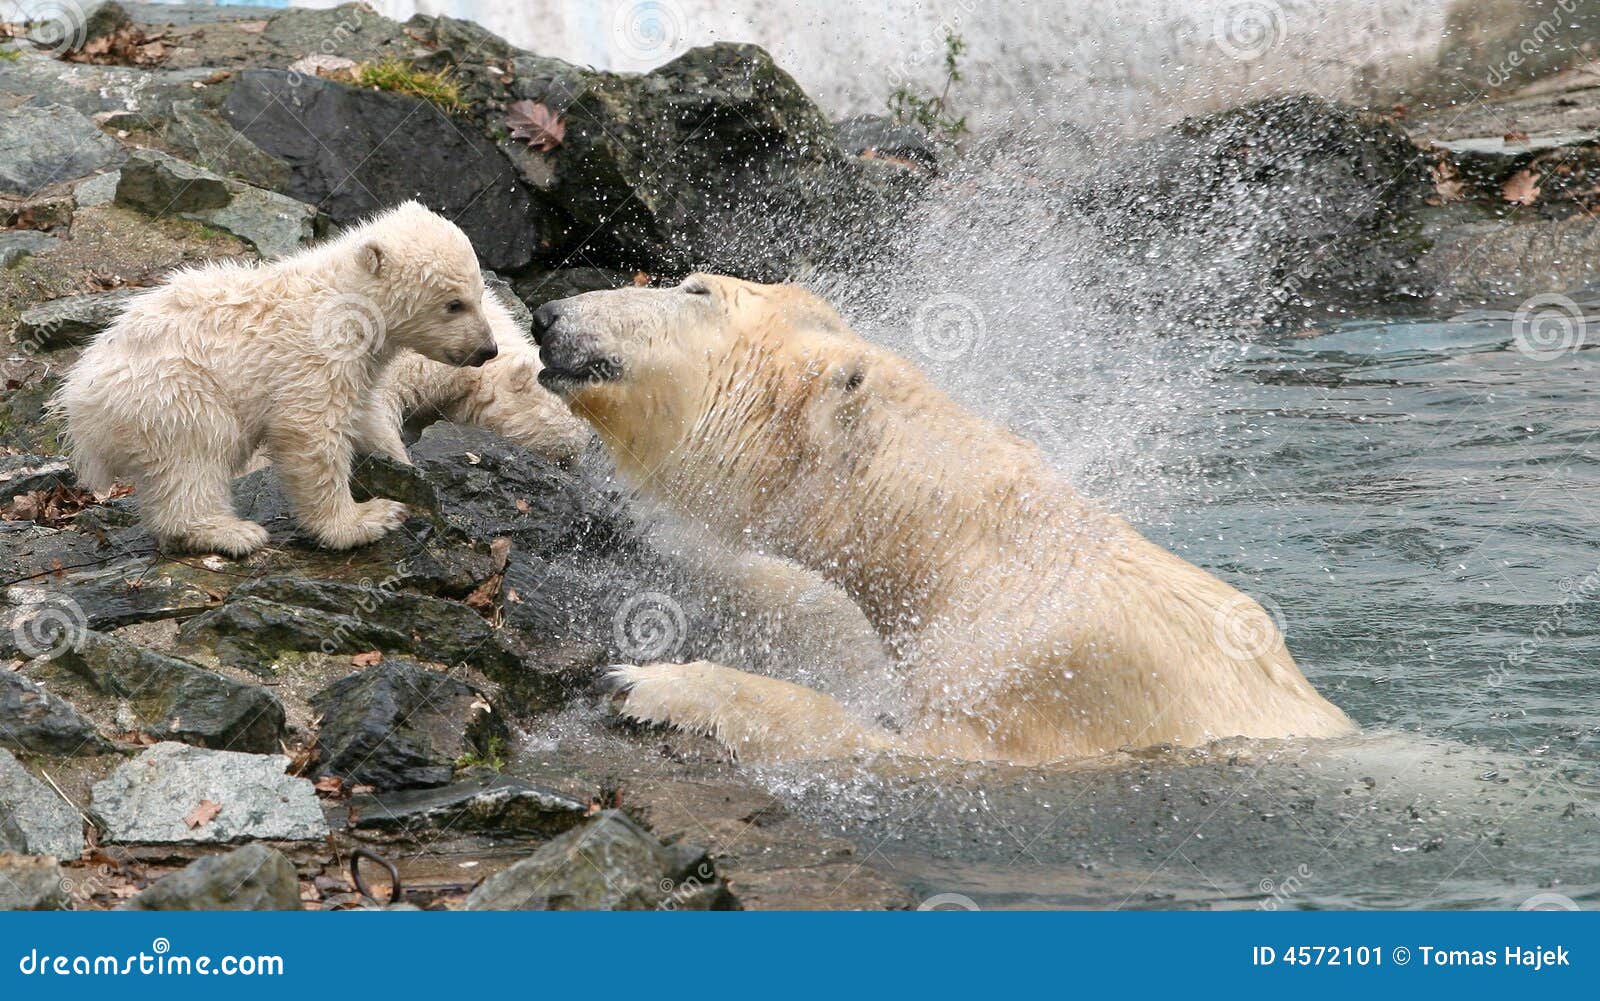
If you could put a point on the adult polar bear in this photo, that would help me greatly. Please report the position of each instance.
(1029, 625)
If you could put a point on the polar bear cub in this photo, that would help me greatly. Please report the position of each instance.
(199, 372)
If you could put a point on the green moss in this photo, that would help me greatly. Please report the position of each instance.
(10, 54)
(395, 75)
(491, 756)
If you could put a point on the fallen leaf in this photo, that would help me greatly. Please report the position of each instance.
(362, 790)
(368, 659)
(474, 458)
(523, 506)
(203, 814)
(641, 278)
(542, 128)
(482, 597)
(1515, 136)
(1522, 188)
(499, 553)
(329, 785)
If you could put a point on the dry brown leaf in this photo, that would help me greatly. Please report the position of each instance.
(641, 279)
(499, 553)
(203, 814)
(368, 659)
(1522, 188)
(523, 506)
(542, 128)
(1515, 136)
(329, 785)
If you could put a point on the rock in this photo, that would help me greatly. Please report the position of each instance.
(202, 137)
(21, 474)
(548, 286)
(148, 799)
(610, 864)
(716, 160)
(354, 151)
(15, 244)
(496, 806)
(176, 700)
(101, 189)
(49, 145)
(32, 883)
(252, 878)
(400, 725)
(1278, 206)
(36, 722)
(39, 821)
(159, 184)
(879, 137)
(250, 633)
(71, 321)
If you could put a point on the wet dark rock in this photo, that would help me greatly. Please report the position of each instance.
(38, 820)
(156, 183)
(1273, 207)
(716, 160)
(252, 878)
(176, 700)
(32, 883)
(148, 799)
(610, 864)
(49, 145)
(72, 320)
(400, 725)
(354, 151)
(35, 721)
(549, 286)
(202, 137)
(251, 633)
(495, 806)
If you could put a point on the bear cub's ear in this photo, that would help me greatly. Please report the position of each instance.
(372, 258)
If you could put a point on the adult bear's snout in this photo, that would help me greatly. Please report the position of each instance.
(544, 318)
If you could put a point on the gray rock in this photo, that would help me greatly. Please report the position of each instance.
(34, 721)
(32, 883)
(549, 286)
(40, 821)
(610, 864)
(202, 137)
(158, 184)
(101, 189)
(147, 799)
(250, 633)
(399, 725)
(176, 700)
(15, 244)
(48, 145)
(21, 474)
(388, 148)
(73, 320)
(252, 878)
(497, 806)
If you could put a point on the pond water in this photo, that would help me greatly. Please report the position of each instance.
(1415, 500)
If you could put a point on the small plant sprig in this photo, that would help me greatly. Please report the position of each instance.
(928, 112)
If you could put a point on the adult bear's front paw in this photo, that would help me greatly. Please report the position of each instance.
(373, 520)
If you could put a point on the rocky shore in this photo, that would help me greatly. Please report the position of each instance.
(191, 732)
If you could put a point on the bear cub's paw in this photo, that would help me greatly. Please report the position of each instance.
(372, 521)
(234, 539)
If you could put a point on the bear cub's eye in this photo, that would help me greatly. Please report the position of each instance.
(455, 306)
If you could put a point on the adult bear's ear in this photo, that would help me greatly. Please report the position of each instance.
(372, 258)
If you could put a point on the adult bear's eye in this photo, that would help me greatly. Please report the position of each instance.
(694, 287)
(455, 306)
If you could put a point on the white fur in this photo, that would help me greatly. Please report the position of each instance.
(222, 359)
